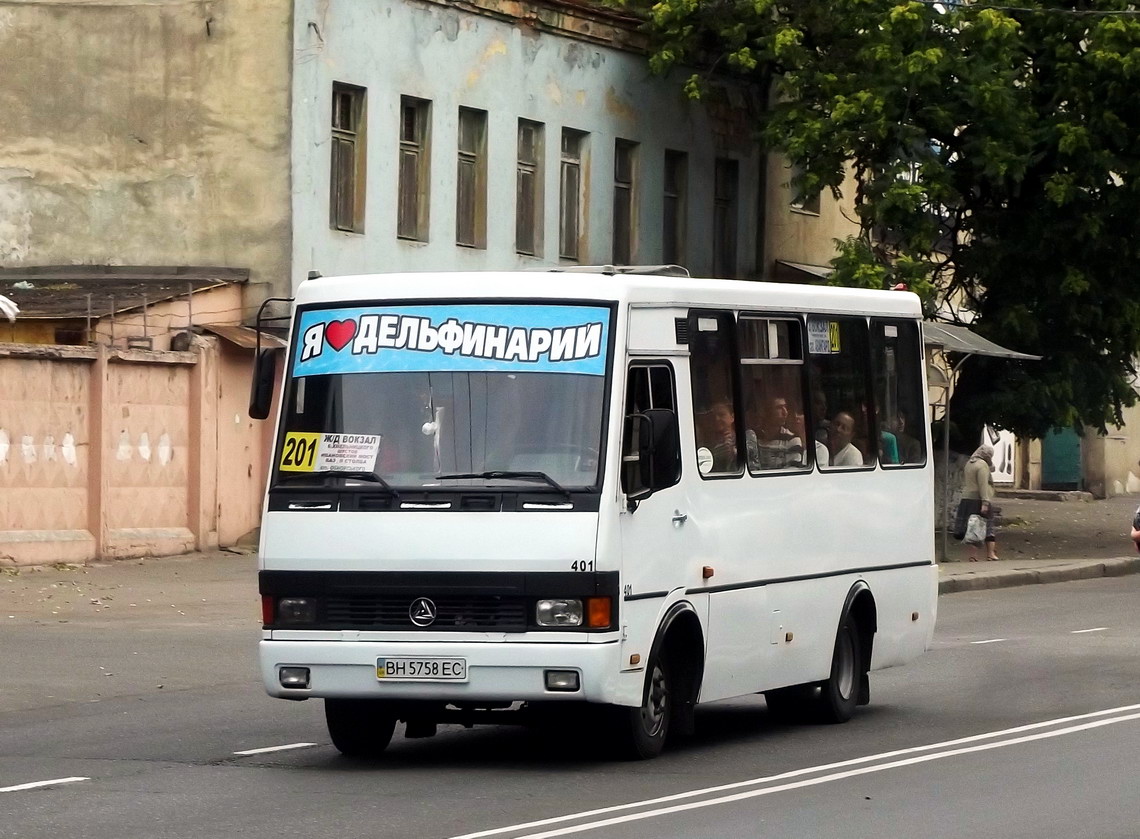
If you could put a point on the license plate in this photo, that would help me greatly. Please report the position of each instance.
(432, 669)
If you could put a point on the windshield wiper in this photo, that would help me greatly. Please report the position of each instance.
(505, 473)
(371, 477)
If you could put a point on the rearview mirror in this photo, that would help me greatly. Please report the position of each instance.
(261, 389)
(658, 453)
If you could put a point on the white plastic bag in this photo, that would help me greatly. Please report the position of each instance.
(975, 530)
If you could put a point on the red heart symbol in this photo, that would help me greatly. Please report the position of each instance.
(339, 332)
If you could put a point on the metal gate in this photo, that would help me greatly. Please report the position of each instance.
(1061, 460)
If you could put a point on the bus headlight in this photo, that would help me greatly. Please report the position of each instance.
(296, 610)
(564, 611)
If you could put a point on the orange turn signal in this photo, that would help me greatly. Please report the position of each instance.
(598, 610)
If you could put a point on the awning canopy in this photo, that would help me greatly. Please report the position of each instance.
(245, 337)
(800, 272)
(960, 339)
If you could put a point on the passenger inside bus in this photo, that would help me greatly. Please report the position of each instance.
(777, 445)
(888, 445)
(910, 447)
(716, 431)
(840, 434)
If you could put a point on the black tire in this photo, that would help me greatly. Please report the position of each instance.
(641, 732)
(360, 727)
(839, 693)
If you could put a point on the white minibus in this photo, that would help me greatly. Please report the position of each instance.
(620, 491)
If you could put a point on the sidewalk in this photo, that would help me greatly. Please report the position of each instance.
(1042, 540)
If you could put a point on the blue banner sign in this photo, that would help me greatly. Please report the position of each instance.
(469, 338)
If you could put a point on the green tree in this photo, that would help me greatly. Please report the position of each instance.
(995, 153)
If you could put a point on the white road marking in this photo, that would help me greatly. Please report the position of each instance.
(1094, 629)
(990, 641)
(811, 782)
(796, 773)
(36, 784)
(275, 749)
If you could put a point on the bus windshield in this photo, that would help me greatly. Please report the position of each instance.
(515, 395)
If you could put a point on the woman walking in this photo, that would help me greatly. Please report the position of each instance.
(977, 498)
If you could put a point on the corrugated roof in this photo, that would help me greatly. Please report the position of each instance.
(57, 292)
(245, 337)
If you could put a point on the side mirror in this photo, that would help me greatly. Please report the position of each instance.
(658, 452)
(261, 389)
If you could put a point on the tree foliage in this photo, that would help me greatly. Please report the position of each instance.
(995, 153)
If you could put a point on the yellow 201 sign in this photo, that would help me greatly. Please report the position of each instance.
(299, 454)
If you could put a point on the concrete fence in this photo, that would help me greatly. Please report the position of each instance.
(108, 453)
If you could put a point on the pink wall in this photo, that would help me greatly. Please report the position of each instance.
(178, 465)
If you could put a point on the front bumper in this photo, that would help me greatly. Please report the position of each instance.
(496, 672)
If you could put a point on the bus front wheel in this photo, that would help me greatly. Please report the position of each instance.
(641, 732)
(360, 727)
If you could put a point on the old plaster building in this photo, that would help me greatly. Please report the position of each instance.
(230, 147)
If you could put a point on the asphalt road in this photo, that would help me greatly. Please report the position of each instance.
(975, 739)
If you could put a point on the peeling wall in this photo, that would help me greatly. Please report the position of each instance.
(146, 133)
(547, 62)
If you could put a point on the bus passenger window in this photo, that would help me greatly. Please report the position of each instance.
(841, 413)
(772, 383)
(896, 356)
(715, 415)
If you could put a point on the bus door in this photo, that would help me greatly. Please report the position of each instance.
(659, 542)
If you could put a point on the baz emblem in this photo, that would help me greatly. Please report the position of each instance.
(422, 612)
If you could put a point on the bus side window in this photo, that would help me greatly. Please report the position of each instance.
(842, 416)
(896, 356)
(773, 390)
(649, 386)
(717, 417)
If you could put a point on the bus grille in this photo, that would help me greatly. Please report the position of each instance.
(489, 612)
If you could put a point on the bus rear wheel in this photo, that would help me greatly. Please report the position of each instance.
(360, 727)
(839, 693)
(641, 732)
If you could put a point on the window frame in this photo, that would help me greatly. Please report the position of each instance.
(734, 394)
(807, 204)
(531, 223)
(624, 218)
(810, 460)
(922, 427)
(414, 196)
(471, 164)
(726, 217)
(348, 137)
(629, 453)
(674, 209)
(867, 384)
(570, 219)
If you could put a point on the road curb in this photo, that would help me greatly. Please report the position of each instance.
(1039, 576)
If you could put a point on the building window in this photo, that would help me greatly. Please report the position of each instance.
(347, 181)
(725, 205)
(528, 188)
(625, 160)
(414, 198)
(471, 180)
(676, 207)
(803, 203)
(569, 208)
